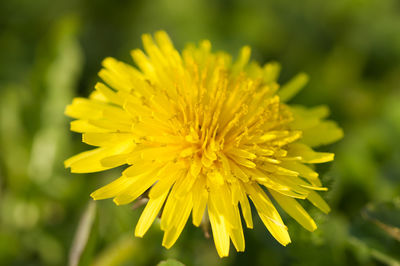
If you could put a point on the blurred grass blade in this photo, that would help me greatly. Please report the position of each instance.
(121, 251)
(373, 252)
(170, 262)
(61, 72)
(376, 233)
(386, 216)
(83, 235)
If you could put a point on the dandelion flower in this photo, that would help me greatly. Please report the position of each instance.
(203, 134)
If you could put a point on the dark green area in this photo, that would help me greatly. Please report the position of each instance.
(50, 51)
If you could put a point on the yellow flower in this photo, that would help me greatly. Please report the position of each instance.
(203, 134)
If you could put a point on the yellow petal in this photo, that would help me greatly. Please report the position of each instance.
(245, 206)
(121, 76)
(144, 63)
(318, 202)
(323, 133)
(159, 154)
(305, 118)
(294, 209)
(106, 139)
(111, 125)
(168, 176)
(238, 172)
(200, 198)
(300, 168)
(98, 96)
(109, 94)
(164, 42)
(268, 214)
(219, 230)
(272, 168)
(267, 179)
(88, 161)
(242, 60)
(271, 72)
(157, 57)
(149, 213)
(115, 160)
(139, 167)
(220, 197)
(82, 108)
(290, 89)
(83, 126)
(140, 184)
(112, 189)
(236, 234)
(179, 216)
(296, 184)
(242, 153)
(185, 184)
(308, 155)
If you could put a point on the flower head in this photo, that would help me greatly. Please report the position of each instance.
(203, 134)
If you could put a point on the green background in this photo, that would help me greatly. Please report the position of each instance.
(51, 51)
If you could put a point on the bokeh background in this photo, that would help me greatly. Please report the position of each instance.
(51, 51)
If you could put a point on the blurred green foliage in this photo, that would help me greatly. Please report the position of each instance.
(51, 51)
